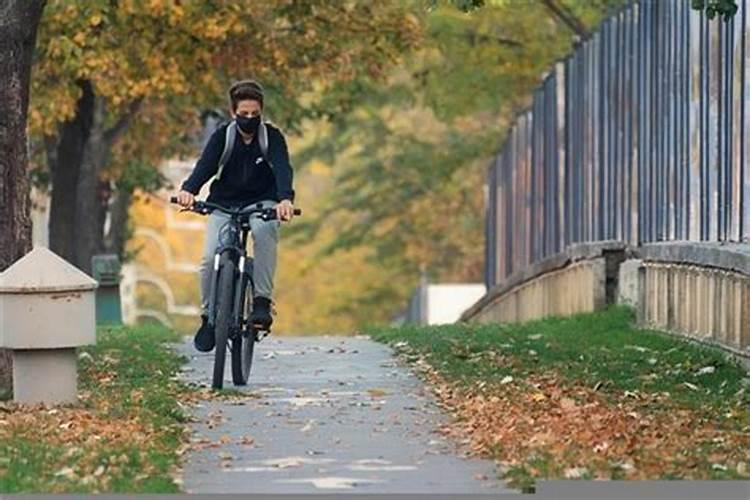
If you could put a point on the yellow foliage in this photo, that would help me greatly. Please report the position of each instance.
(312, 295)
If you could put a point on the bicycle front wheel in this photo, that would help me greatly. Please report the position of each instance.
(224, 310)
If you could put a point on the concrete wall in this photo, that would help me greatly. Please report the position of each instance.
(578, 287)
(581, 279)
(697, 290)
(710, 305)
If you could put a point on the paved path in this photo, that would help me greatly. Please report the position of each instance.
(333, 414)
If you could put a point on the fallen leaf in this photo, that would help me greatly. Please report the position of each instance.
(286, 463)
(636, 348)
(706, 370)
(66, 472)
(601, 447)
(575, 472)
(568, 404)
(741, 468)
(67, 425)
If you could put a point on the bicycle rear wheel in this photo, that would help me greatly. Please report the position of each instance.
(224, 307)
(242, 357)
(244, 345)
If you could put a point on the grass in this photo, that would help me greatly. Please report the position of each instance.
(601, 349)
(529, 396)
(123, 435)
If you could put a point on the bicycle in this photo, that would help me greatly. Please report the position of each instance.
(231, 298)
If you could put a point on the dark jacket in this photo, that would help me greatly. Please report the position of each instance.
(247, 177)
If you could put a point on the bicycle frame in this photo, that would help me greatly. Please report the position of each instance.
(236, 245)
(238, 227)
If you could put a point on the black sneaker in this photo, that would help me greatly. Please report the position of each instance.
(204, 339)
(261, 315)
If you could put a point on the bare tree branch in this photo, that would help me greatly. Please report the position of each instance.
(562, 13)
(111, 134)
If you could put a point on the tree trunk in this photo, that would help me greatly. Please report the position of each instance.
(88, 217)
(65, 167)
(80, 198)
(19, 20)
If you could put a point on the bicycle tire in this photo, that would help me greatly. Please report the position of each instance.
(224, 307)
(243, 347)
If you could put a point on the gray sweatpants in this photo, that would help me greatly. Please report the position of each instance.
(265, 235)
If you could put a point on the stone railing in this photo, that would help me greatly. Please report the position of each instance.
(697, 290)
(580, 279)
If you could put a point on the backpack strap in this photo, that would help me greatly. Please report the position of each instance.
(229, 138)
(263, 141)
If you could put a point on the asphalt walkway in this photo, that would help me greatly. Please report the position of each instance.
(326, 415)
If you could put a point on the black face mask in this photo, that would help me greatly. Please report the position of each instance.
(248, 124)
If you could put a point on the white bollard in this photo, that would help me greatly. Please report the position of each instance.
(47, 309)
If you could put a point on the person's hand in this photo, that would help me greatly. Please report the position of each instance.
(185, 199)
(285, 210)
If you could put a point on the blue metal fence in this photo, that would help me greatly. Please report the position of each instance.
(639, 136)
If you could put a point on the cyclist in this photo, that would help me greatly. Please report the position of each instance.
(249, 176)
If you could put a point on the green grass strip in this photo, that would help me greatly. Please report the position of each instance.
(130, 375)
(601, 350)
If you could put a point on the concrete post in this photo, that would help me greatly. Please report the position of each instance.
(47, 309)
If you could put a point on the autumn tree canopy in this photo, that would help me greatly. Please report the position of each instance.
(409, 161)
(121, 84)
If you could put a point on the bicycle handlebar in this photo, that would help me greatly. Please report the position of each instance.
(206, 207)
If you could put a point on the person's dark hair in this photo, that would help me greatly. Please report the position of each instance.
(245, 90)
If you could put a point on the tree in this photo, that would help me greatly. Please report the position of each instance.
(410, 158)
(115, 62)
(18, 26)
